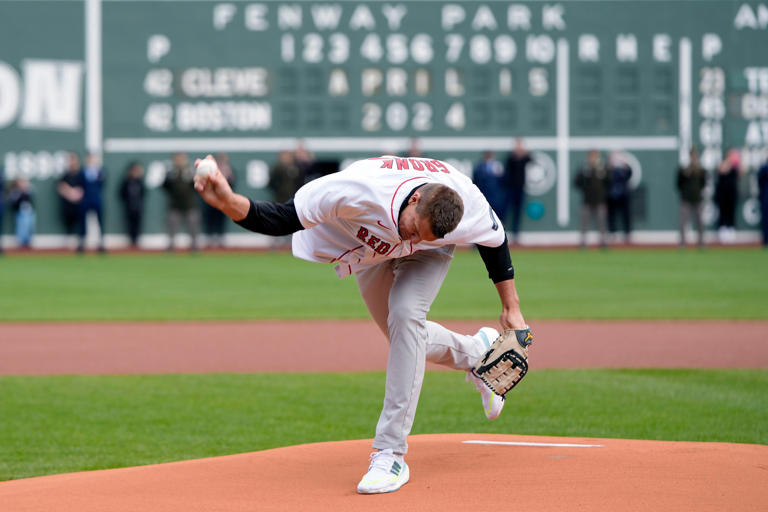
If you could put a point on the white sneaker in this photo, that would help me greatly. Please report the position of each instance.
(492, 403)
(387, 473)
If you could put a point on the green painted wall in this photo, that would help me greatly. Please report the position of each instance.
(359, 78)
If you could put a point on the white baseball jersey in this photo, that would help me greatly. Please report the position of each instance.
(351, 216)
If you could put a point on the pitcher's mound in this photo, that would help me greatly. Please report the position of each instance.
(455, 472)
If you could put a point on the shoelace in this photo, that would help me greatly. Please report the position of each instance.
(380, 460)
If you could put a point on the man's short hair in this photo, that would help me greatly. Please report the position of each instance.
(442, 206)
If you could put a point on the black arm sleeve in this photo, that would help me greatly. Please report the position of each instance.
(498, 262)
(270, 218)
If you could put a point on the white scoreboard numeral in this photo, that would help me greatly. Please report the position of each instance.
(480, 49)
(455, 117)
(339, 52)
(371, 48)
(421, 49)
(538, 85)
(313, 48)
(422, 117)
(397, 116)
(712, 81)
(287, 48)
(712, 107)
(505, 49)
(371, 117)
(397, 48)
(454, 44)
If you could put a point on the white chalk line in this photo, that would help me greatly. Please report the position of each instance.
(547, 445)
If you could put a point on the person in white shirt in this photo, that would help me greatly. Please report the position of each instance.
(393, 222)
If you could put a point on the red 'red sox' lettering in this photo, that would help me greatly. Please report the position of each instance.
(383, 248)
(373, 242)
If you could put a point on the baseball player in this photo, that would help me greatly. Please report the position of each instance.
(392, 222)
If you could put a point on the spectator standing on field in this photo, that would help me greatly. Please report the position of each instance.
(592, 180)
(93, 190)
(762, 182)
(132, 191)
(727, 195)
(516, 164)
(2, 206)
(213, 219)
(489, 176)
(22, 205)
(182, 200)
(70, 190)
(618, 195)
(305, 160)
(414, 150)
(285, 177)
(691, 180)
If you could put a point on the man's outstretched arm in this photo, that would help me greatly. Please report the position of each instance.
(265, 217)
(502, 273)
(511, 316)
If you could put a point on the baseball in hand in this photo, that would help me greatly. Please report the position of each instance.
(205, 168)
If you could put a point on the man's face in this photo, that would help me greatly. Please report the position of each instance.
(74, 162)
(412, 226)
(180, 159)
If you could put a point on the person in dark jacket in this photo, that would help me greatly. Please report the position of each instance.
(2, 207)
(132, 191)
(70, 190)
(182, 200)
(23, 207)
(762, 183)
(93, 176)
(516, 165)
(727, 195)
(691, 180)
(592, 180)
(619, 195)
(490, 177)
(285, 177)
(214, 220)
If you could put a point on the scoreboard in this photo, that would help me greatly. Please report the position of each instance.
(141, 79)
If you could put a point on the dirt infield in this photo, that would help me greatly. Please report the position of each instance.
(447, 474)
(124, 348)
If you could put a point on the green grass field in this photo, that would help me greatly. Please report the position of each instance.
(616, 284)
(73, 423)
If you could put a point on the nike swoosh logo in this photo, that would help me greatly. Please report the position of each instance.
(490, 405)
(382, 225)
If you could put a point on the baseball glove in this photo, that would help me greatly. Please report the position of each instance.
(505, 363)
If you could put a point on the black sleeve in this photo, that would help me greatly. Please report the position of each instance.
(270, 218)
(498, 262)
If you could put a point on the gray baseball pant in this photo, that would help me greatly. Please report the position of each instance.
(398, 294)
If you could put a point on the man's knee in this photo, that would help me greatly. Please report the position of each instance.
(403, 316)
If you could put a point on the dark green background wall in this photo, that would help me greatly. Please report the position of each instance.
(476, 74)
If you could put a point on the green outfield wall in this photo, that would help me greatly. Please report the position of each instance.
(142, 79)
